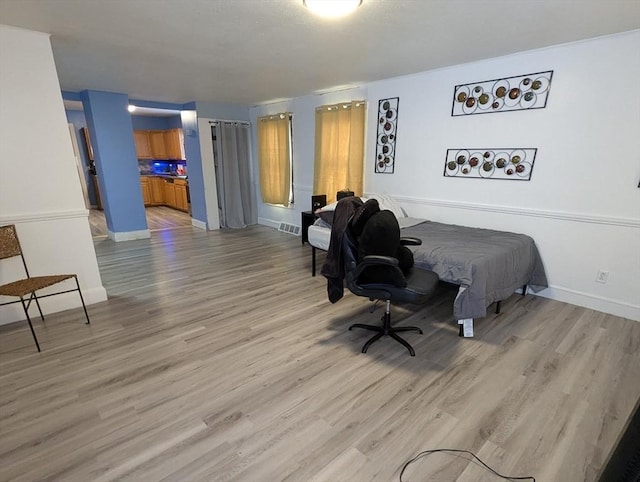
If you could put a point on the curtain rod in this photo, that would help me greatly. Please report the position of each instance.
(215, 121)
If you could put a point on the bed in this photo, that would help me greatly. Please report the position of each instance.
(487, 265)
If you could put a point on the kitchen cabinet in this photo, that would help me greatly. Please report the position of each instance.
(174, 144)
(181, 195)
(159, 144)
(153, 190)
(146, 190)
(175, 194)
(158, 148)
(169, 193)
(143, 146)
(157, 190)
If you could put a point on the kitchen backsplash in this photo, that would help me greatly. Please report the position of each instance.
(149, 166)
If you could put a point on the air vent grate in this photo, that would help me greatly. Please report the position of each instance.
(289, 228)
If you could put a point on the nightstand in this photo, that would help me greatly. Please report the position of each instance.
(308, 218)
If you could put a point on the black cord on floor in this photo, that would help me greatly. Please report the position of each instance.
(428, 452)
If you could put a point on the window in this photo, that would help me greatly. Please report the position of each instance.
(275, 159)
(339, 148)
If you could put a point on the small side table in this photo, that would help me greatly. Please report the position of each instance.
(308, 218)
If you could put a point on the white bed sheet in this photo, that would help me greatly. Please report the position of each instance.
(319, 236)
(320, 232)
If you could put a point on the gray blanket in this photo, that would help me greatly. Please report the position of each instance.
(488, 265)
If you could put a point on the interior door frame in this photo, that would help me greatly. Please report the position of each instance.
(79, 166)
(208, 173)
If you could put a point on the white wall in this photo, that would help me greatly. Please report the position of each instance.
(582, 204)
(39, 188)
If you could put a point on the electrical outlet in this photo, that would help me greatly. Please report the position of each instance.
(602, 276)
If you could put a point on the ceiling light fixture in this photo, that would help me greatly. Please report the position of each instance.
(131, 108)
(332, 8)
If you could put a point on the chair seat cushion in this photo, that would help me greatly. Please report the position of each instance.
(29, 285)
(421, 284)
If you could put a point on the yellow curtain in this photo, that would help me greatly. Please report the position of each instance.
(339, 149)
(274, 163)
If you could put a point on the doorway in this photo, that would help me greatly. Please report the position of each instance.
(231, 148)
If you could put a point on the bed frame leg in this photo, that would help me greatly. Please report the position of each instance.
(498, 305)
(465, 328)
(524, 290)
(313, 260)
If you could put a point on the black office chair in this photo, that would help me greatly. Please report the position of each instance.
(415, 286)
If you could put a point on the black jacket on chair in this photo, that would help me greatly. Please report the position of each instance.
(333, 267)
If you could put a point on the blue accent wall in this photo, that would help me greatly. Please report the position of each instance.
(146, 123)
(150, 123)
(174, 122)
(111, 132)
(67, 95)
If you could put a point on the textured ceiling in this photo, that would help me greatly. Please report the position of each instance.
(252, 51)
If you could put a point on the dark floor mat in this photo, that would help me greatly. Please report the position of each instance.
(624, 463)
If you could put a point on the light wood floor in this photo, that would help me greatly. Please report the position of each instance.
(158, 218)
(218, 357)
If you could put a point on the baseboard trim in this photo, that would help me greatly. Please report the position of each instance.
(560, 215)
(269, 222)
(196, 223)
(129, 235)
(587, 300)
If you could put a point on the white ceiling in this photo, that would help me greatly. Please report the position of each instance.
(253, 51)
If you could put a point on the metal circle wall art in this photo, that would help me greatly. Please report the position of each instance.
(509, 163)
(528, 91)
(387, 135)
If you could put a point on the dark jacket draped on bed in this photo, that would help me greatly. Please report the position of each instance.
(333, 267)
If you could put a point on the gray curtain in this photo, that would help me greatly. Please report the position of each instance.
(235, 188)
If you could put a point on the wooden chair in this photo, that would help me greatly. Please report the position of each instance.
(9, 248)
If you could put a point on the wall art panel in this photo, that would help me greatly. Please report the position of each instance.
(522, 92)
(387, 135)
(514, 164)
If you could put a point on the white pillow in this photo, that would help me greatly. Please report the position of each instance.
(384, 200)
(332, 206)
(387, 202)
(328, 207)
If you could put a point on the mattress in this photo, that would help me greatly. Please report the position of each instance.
(319, 236)
(320, 232)
(488, 265)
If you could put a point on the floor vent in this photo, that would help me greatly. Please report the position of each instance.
(289, 228)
